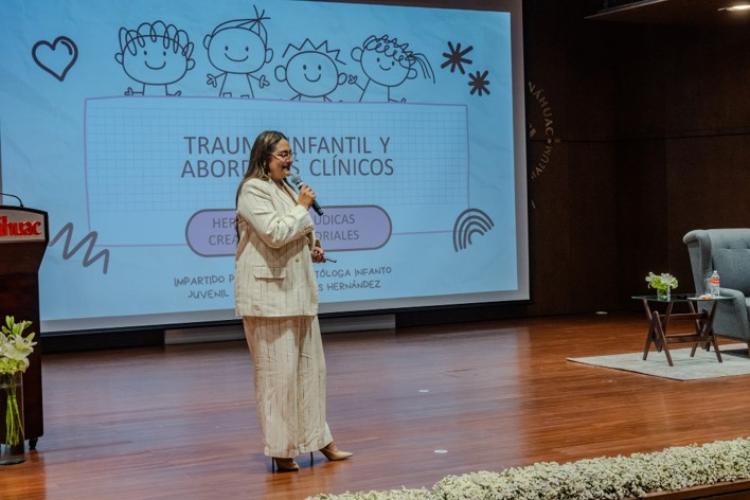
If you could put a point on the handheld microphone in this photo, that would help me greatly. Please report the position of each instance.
(298, 184)
(13, 196)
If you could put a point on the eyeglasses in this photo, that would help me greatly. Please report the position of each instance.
(284, 155)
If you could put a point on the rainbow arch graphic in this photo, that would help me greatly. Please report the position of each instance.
(470, 222)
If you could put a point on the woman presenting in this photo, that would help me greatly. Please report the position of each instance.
(277, 296)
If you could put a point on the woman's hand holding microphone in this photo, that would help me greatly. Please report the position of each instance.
(306, 198)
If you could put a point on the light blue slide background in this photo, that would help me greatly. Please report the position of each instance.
(111, 164)
(429, 162)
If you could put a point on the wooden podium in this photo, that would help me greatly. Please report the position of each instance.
(23, 240)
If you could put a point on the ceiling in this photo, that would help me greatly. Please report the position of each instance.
(684, 12)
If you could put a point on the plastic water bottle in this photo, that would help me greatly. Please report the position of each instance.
(713, 284)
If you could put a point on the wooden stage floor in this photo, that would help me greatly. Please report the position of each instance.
(179, 422)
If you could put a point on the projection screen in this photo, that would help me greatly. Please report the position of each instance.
(132, 126)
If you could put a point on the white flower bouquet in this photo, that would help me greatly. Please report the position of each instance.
(662, 283)
(15, 349)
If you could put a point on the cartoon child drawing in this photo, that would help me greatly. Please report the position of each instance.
(155, 55)
(238, 48)
(312, 72)
(386, 64)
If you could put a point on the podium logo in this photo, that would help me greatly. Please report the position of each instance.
(19, 228)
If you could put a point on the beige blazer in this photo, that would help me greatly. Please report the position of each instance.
(273, 267)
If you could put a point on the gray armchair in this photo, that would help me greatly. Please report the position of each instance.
(728, 252)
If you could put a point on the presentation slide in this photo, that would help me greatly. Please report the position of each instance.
(132, 126)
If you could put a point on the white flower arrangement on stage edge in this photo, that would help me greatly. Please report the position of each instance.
(613, 478)
(15, 349)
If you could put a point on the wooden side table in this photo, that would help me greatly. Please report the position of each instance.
(658, 329)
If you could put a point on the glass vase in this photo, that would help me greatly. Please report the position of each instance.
(663, 294)
(12, 445)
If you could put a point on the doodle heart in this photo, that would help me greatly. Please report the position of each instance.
(55, 58)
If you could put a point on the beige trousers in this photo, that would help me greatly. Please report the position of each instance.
(290, 383)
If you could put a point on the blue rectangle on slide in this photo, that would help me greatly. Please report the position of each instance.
(151, 163)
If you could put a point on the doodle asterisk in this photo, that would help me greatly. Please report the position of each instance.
(479, 82)
(456, 57)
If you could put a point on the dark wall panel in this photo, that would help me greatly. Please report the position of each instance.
(707, 83)
(642, 214)
(569, 58)
(684, 134)
(593, 240)
(549, 231)
(708, 188)
(570, 113)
